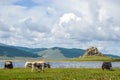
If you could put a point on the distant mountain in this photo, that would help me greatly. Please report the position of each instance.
(55, 52)
(70, 53)
(48, 53)
(33, 50)
(1, 44)
(60, 53)
(10, 51)
(113, 56)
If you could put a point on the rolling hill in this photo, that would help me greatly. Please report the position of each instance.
(10, 51)
(48, 53)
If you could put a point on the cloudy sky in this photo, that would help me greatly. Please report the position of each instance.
(61, 23)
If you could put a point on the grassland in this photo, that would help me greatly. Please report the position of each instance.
(60, 74)
(94, 58)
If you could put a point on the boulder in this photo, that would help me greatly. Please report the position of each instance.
(92, 51)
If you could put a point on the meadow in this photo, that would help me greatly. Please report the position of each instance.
(60, 74)
(94, 58)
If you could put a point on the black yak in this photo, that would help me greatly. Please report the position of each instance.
(8, 65)
(107, 65)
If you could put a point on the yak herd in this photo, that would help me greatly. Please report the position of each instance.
(41, 65)
(37, 65)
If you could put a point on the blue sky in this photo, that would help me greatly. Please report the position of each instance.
(61, 23)
(26, 3)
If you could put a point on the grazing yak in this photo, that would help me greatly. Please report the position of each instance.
(38, 65)
(28, 64)
(107, 65)
(8, 65)
(47, 65)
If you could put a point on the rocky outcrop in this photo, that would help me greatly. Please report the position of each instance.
(92, 51)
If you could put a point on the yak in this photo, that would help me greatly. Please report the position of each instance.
(107, 65)
(8, 65)
(28, 65)
(37, 65)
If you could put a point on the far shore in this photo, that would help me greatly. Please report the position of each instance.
(64, 60)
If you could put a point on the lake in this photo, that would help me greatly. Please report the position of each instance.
(20, 64)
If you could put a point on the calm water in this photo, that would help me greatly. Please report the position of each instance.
(20, 64)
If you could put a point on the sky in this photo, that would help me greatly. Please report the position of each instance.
(61, 23)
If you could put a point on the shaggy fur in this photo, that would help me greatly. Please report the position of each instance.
(106, 65)
(8, 64)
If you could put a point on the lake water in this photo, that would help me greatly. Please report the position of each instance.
(20, 64)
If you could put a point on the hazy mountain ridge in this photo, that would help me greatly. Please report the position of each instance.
(48, 53)
(9, 51)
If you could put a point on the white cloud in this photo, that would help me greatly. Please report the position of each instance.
(68, 17)
(63, 23)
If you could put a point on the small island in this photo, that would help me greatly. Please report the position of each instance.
(93, 54)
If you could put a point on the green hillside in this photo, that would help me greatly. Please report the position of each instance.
(70, 53)
(9, 51)
(46, 53)
(55, 52)
(51, 54)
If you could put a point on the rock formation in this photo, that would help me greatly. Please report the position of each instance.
(92, 51)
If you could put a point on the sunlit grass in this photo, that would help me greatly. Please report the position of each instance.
(60, 74)
(93, 58)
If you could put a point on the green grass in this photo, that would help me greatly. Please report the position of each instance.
(60, 74)
(94, 58)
